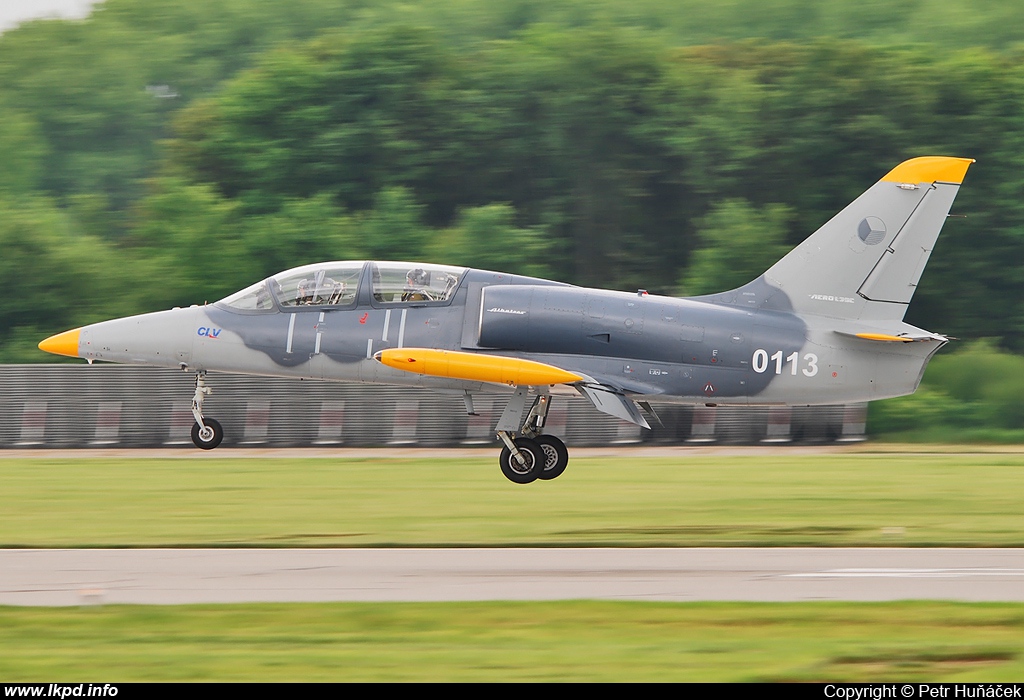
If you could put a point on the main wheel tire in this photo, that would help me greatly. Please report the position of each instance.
(209, 438)
(556, 456)
(522, 473)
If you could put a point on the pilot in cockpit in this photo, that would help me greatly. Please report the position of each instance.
(304, 292)
(416, 283)
(329, 291)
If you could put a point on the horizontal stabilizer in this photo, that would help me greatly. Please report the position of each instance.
(476, 367)
(607, 400)
(900, 338)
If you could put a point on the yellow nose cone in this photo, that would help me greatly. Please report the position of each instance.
(65, 343)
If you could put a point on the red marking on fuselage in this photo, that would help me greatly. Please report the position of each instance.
(363, 318)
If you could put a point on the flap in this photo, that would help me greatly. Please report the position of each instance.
(614, 403)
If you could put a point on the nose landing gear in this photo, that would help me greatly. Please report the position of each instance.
(207, 433)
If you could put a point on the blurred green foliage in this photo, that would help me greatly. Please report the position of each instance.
(737, 243)
(54, 275)
(972, 394)
(169, 152)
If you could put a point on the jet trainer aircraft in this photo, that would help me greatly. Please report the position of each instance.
(822, 325)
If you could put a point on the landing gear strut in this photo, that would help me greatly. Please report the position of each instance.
(207, 433)
(531, 455)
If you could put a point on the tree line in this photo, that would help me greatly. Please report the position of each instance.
(170, 152)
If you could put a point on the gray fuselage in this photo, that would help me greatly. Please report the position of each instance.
(739, 347)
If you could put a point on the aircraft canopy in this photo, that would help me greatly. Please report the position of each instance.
(336, 284)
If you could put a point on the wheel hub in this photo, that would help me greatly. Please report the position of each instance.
(550, 455)
(526, 466)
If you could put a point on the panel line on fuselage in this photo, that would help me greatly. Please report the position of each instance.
(401, 328)
(291, 333)
(319, 333)
(387, 323)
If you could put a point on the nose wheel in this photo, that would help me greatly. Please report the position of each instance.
(208, 435)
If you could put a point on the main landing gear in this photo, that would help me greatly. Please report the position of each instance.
(532, 455)
(207, 433)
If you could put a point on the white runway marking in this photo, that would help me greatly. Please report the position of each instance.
(909, 573)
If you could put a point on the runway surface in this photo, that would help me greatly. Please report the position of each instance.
(173, 576)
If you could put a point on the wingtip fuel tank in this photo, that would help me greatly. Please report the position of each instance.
(494, 369)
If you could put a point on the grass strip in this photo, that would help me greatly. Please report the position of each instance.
(516, 641)
(848, 499)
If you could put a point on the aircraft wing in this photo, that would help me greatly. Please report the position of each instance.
(514, 371)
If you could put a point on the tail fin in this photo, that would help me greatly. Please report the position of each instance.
(866, 261)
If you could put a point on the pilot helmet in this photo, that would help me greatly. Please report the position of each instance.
(418, 277)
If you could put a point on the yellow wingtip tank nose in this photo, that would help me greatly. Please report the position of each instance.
(65, 343)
